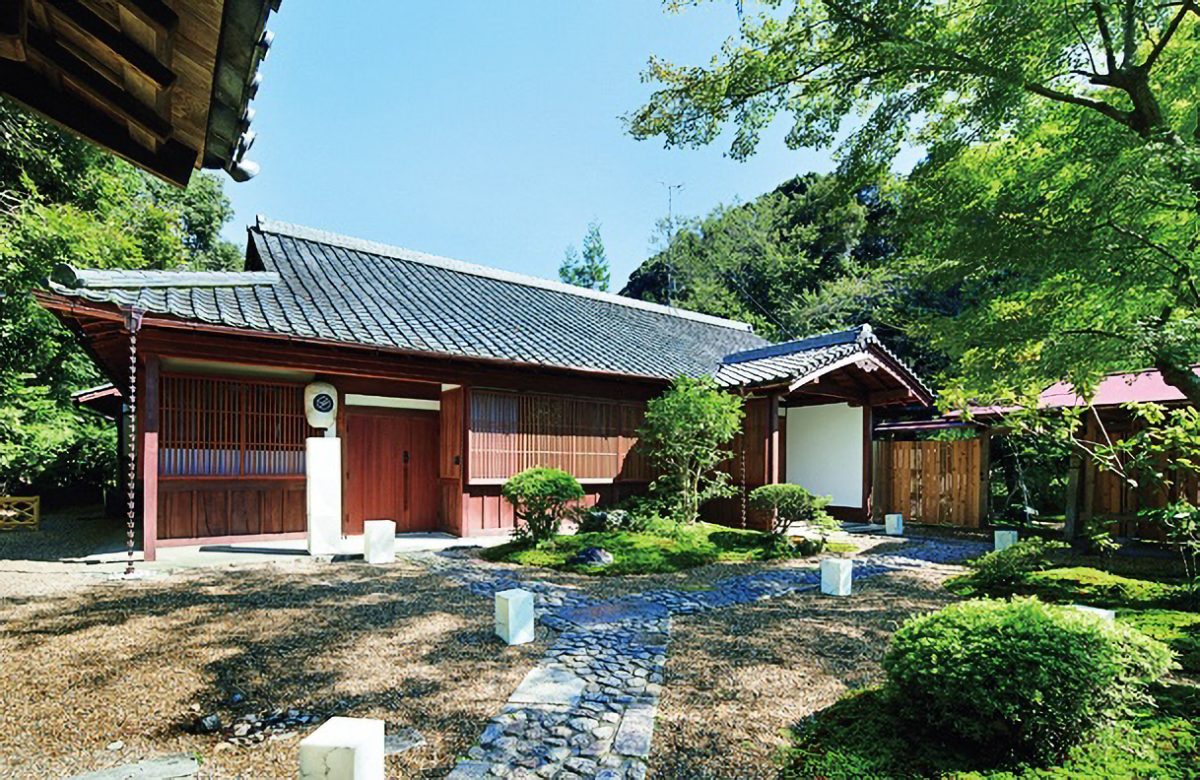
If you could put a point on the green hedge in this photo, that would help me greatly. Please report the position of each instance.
(1020, 679)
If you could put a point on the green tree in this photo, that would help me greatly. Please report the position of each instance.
(1058, 200)
(685, 433)
(64, 200)
(812, 255)
(590, 270)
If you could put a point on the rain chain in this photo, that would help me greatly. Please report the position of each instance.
(134, 321)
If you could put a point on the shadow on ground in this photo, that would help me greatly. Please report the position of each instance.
(139, 662)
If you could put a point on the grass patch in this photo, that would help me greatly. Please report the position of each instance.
(661, 549)
(861, 737)
(841, 547)
(1178, 630)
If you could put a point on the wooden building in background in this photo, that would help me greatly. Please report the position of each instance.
(449, 378)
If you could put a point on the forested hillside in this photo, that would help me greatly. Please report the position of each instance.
(810, 256)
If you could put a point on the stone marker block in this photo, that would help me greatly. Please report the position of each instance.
(379, 541)
(1004, 539)
(893, 525)
(836, 575)
(514, 616)
(323, 494)
(1103, 614)
(343, 749)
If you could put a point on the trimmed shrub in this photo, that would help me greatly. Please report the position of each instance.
(1003, 569)
(540, 498)
(792, 504)
(1019, 680)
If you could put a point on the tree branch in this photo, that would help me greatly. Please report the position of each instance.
(1110, 56)
(1172, 26)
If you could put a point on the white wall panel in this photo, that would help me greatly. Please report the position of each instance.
(825, 451)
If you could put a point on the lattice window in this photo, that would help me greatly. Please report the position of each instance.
(593, 439)
(230, 428)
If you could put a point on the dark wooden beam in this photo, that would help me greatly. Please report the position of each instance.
(14, 18)
(97, 29)
(88, 79)
(153, 12)
(172, 161)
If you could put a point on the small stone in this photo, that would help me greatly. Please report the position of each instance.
(208, 724)
(114, 745)
(603, 732)
(583, 766)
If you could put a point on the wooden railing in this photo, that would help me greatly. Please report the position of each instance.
(20, 513)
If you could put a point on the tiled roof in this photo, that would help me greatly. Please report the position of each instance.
(793, 360)
(337, 288)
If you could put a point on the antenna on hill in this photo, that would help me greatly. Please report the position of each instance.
(670, 239)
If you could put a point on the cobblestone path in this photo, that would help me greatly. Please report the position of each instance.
(587, 709)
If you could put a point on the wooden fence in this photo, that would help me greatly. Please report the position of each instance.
(937, 482)
(19, 513)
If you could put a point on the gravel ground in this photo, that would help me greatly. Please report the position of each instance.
(736, 678)
(136, 663)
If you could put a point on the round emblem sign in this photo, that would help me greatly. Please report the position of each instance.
(323, 402)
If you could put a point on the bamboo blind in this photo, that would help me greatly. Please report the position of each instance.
(592, 439)
(230, 428)
(931, 481)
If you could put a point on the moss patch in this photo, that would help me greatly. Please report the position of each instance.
(661, 549)
(1178, 630)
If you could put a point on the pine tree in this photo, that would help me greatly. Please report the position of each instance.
(590, 270)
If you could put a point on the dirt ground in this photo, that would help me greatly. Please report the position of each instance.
(737, 678)
(136, 663)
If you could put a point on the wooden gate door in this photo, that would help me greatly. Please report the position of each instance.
(391, 469)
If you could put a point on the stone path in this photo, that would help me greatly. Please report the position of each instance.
(587, 709)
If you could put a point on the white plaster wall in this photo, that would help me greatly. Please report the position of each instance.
(825, 451)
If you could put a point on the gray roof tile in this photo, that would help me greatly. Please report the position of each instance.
(335, 288)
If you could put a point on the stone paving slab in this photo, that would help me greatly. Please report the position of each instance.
(172, 767)
(549, 685)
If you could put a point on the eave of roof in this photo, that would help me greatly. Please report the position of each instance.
(241, 49)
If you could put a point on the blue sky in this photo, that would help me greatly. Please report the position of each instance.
(484, 130)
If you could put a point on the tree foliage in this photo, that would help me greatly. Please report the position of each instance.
(1058, 197)
(590, 270)
(812, 255)
(685, 433)
(64, 200)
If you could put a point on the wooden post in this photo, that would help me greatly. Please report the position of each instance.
(149, 456)
(985, 477)
(774, 445)
(868, 460)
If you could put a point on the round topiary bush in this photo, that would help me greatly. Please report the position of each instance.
(1018, 680)
(791, 505)
(540, 498)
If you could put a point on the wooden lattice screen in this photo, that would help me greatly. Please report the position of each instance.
(19, 513)
(230, 428)
(592, 439)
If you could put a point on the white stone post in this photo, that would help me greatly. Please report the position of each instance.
(379, 541)
(343, 749)
(893, 525)
(323, 494)
(1004, 539)
(514, 616)
(836, 576)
